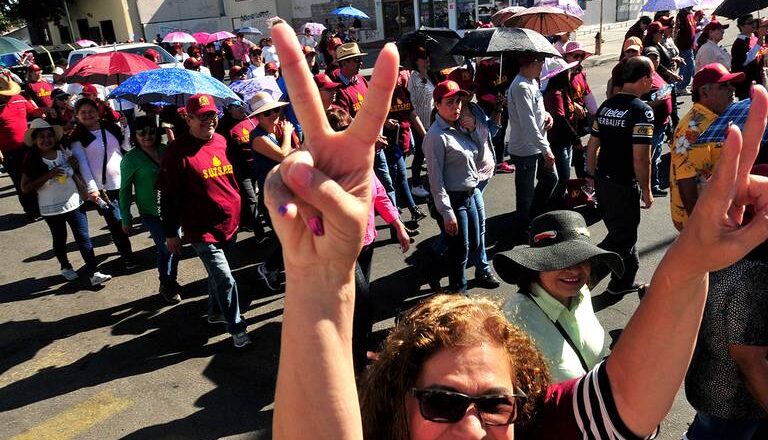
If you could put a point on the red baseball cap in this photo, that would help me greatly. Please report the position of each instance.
(89, 89)
(235, 71)
(446, 89)
(333, 43)
(463, 77)
(201, 103)
(655, 27)
(34, 68)
(270, 66)
(324, 82)
(714, 25)
(193, 63)
(714, 73)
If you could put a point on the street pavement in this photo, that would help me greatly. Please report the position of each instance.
(117, 362)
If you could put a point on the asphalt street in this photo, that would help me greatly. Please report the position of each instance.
(116, 362)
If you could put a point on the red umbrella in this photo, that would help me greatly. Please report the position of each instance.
(108, 68)
(201, 37)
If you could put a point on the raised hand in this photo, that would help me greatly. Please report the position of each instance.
(319, 197)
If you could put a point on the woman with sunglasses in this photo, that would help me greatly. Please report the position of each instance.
(453, 367)
(138, 173)
(272, 140)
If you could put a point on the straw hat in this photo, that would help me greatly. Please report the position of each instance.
(347, 51)
(39, 124)
(262, 102)
(8, 87)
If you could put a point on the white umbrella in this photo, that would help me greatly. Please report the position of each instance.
(668, 5)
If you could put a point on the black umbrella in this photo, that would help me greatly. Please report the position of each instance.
(437, 42)
(497, 41)
(736, 8)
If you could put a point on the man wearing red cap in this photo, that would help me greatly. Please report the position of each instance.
(37, 88)
(692, 164)
(199, 193)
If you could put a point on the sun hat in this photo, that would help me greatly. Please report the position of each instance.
(262, 102)
(40, 124)
(446, 89)
(9, 87)
(347, 51)
(632, 43)
(715, 73)
(554, 65)
(575, 46)
(201, 103)
(558, 240)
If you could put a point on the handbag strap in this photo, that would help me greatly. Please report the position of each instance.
(104, 162)
(565, 335)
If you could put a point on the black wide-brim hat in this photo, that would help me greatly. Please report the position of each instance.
(558, 240)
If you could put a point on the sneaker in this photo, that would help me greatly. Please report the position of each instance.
(170, 292)
(419, 191)
(487, 281)
(635, 287)
(658, 192)
(417, 214)
(505, 168)
(241, 339)
(98, 278)
(217, 318)
(271, 277)
(69, 274)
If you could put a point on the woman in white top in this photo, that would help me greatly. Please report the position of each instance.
(48, 171)
(98, 147)
(709, 51)
(420, 87)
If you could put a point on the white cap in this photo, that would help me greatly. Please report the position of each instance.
(58, 71)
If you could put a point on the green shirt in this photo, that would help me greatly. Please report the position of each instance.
(536, 315)
(138, 175)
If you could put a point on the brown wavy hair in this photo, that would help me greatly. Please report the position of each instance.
(443, 321)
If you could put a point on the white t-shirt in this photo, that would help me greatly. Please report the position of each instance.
(270, 54)
(91, 161)
(59, 194)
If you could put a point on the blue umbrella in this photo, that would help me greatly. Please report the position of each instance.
(173, 86)
(737, 114)
(349, 11)
(668, 5)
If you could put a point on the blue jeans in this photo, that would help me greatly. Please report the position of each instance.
(563, 157)
(398, 173)
(477, 253)
(78, 223)
(686, 70)
(467, 237)
(656, 145)
(167, 263)
(705, 427)
(222, 287)
(111, 215)
(532, 197)
(381, 169)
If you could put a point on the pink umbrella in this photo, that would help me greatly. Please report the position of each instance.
(201, 37)
(179, 37)
(314, 28)
(86, 43)
(220, 35)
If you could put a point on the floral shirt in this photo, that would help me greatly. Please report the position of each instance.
(689, 159)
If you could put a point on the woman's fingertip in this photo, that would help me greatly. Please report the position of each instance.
(316, 226)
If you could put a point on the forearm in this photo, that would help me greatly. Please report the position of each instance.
(593, 147)
(642, 166)
(29, 186)
(316, 357)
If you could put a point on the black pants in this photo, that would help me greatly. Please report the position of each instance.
(12, 163)
(498, 140)
(620, 207)
(362, 323)
(111, 215)
(418, 159)
(248, 202)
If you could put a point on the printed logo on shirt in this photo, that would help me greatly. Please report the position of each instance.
(43, 92)
(400, 106)
(502, 79)
(649, 114)
(356, 106)
(245, 136)
(642, 130)
(217, 170)
(611, 117)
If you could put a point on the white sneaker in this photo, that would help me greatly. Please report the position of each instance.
(69, 274)
(419, 191)
(99, 278)
(241, 339)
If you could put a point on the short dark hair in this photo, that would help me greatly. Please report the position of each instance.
(142, 122)
(83, 102)
(646, 20)
(637, 68)
(338, 118)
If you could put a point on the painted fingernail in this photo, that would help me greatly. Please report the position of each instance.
(316, 226)
(282, 210)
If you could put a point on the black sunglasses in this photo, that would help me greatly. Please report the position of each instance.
(270, 112)
(443, 406)
(149, 131)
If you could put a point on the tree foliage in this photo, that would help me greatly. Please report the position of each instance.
(32, 10)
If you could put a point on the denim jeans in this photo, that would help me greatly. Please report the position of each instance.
(381, 169)
(167, 263)
(620, 207)
(111, 215)
(563, 157)
(656, 146)
(705, 427)
(532, 197)
(467, 236)
(686, 70)
(78, 223)
(398, 172)
(222, 287)
(477, 252)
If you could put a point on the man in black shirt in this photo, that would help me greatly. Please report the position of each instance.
(619, 167)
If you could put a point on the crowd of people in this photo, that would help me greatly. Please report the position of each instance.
(455, 364)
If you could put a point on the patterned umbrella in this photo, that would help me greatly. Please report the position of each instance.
(12, 45)
(349, 12)
(249, 87)
(669, 5)
(173, 86)
(179, 37)
(220, 35)
(736, 113)
(201, 37)
(502, 15)
(545, 20)
(108, 68)
(314, 28)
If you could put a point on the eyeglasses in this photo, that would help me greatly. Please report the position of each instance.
(267, 113)
(443, 406)
(149, 131)
(205, 117)
(576, 56)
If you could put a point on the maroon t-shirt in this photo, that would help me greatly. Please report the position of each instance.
(13, 122)
(350, 96)
(401, 109)
(199, 190)
(40, 92)
(490, 83)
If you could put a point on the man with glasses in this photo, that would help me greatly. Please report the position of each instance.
(199, 193)
(528, 145)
